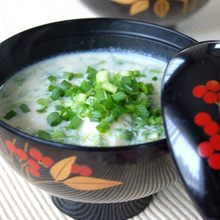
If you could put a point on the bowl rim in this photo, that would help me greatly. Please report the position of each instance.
(48, 143)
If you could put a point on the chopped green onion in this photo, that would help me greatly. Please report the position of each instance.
(128, 88)
(50, 88)
(126, 80)
(59, 107)
(137, 73)
(150, 88)
(80, 98)
(98, 114)
(75, 123)
(154, 78)
(78, 75)
(154, 71)
(118, 111)
(94, 119)
(55, 94)
(85, 86)
(103, 126)
(54, 119)
(43, 134)
(152, 120)
(65, 85)
(111, 118)
(144, 102)
(68, 75)
(119, 96)
(83, 110)
(42, 110)
(141, 111)
(24, 108)
(42, 101)
(58, 134)
(126, 73)
(10, 115)
(108, 102)
(109, 87)
(92, 100)
(130, 108)
(51, 78)
(91, 73)
(102, 99)
(143, 87)
(68, 92)
(67, 113)
(101, 94)
(102, 76)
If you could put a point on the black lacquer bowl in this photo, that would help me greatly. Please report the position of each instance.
(118, 181)
(162, 12)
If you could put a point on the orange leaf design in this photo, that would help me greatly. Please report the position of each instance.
(185, 5)
(124, 2)
(139, 6)
(161, 8)
(89, 183)
(62, 169)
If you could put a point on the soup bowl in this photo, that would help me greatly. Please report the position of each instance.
(162, 12)
(118, 181)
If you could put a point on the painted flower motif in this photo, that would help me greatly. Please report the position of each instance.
(160, 7)
(65, 171)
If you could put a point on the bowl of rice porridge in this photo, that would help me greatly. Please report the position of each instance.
(81, 113)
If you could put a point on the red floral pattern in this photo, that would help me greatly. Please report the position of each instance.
(209, 149)
(65, 171)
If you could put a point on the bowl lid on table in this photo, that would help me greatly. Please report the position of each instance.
(191, 112)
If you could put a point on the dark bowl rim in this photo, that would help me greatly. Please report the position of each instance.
(48, 143)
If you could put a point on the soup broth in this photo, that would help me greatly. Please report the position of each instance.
(61, 99)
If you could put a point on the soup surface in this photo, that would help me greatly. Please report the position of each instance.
(90, 99)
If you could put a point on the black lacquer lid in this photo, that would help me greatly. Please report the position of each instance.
(191, 110)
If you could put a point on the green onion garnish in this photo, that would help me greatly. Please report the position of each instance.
(109, 87)
(143, 87)
(103, 126)
(85, 86)
(24, 108)
(102, 99)
(64, 85)
(101, 94)
(78, 75)
(58, 134)
(10, 115)
(54, 119)
(42, 101)
(80, 98)
(142, 111)
(51, 78)
(150, 88)
(67, 113)
(42, 110)
(68, 75)
(119, 96)
(91, 73)
(55, 94)
(102, 76)
(43, 134)
(76, 122)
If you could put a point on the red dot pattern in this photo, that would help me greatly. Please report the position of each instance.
(210, 93)
(202, 118)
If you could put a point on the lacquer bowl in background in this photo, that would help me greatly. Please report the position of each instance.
(115, 183)
(162, 12)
